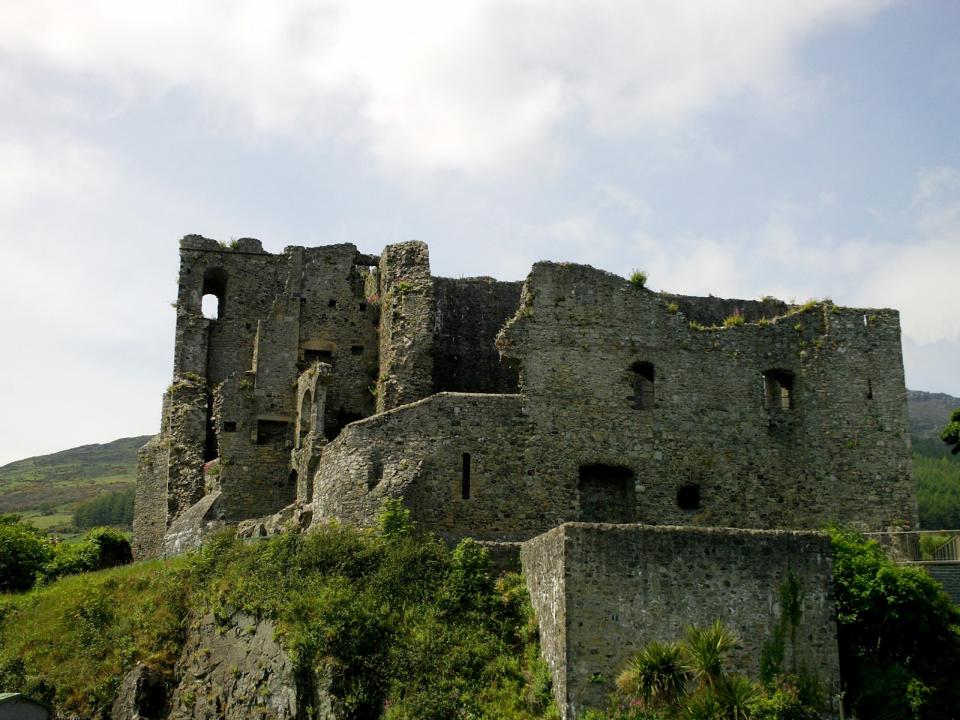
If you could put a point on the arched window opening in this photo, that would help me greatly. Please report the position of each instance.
(305, 419)
(214, 293)
(643, 375)
(778, 389)
(210, 307)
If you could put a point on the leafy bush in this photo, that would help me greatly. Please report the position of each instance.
(99, 549)
(951, 433)
(638, 278)
(899, 635)
(23, 553)
(734, 320)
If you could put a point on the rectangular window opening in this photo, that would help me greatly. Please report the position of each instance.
(312, 356)
(229, 426)
(271, 432)
(332, 303)
(356, 349)
(465, 478)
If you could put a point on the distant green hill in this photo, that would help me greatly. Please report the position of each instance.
(47, 487)
(929, 412)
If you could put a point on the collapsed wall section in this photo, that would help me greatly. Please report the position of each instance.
(645, 416)
(469, 312)
(602, 592)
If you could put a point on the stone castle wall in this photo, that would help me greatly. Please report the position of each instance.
(602, 592)
(459, 462)
(469, 314)
(703, 422)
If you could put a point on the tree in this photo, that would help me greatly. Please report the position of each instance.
(899, 635)
(23, 553)
(951, 433)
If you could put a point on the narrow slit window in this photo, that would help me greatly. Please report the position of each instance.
(869, 389)
(465, 477)
(688, 497)
(643, 376)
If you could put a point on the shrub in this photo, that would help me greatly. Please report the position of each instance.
(99, 549)
(23, 553)
(899, 635)
(638, 278)
(734, 320)
(951, 433)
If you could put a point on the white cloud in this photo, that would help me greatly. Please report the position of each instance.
(54, 169)
(474, 87)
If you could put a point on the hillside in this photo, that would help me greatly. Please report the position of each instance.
(57, 482)
(929, 412)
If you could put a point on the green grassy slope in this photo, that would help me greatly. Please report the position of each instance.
(404, 623)
(58, 482)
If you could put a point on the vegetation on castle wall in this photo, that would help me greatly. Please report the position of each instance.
(406, 625)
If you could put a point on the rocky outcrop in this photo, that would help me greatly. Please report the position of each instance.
(237, 672)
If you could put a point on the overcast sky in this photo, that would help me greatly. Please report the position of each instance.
(736, 148)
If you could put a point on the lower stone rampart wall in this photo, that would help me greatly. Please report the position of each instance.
(602, 592)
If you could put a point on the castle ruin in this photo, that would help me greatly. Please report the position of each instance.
(618, 433)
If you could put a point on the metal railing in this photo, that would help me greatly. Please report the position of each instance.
(920, 546)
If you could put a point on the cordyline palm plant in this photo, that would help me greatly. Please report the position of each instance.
(706, 650)
(656, 677)
(687, 680)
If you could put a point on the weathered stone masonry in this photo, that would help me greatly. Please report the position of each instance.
(602, 592)
(500, 411)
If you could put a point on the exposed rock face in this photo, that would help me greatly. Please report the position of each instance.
(142, 696)
(238, 672)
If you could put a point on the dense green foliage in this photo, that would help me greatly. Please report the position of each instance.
(114, 508)
(23, 553)
(899, 636)
(951, 433)
(405, 626)
(27, 556)
(411, 626)
(937, 474)
(688, 680)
